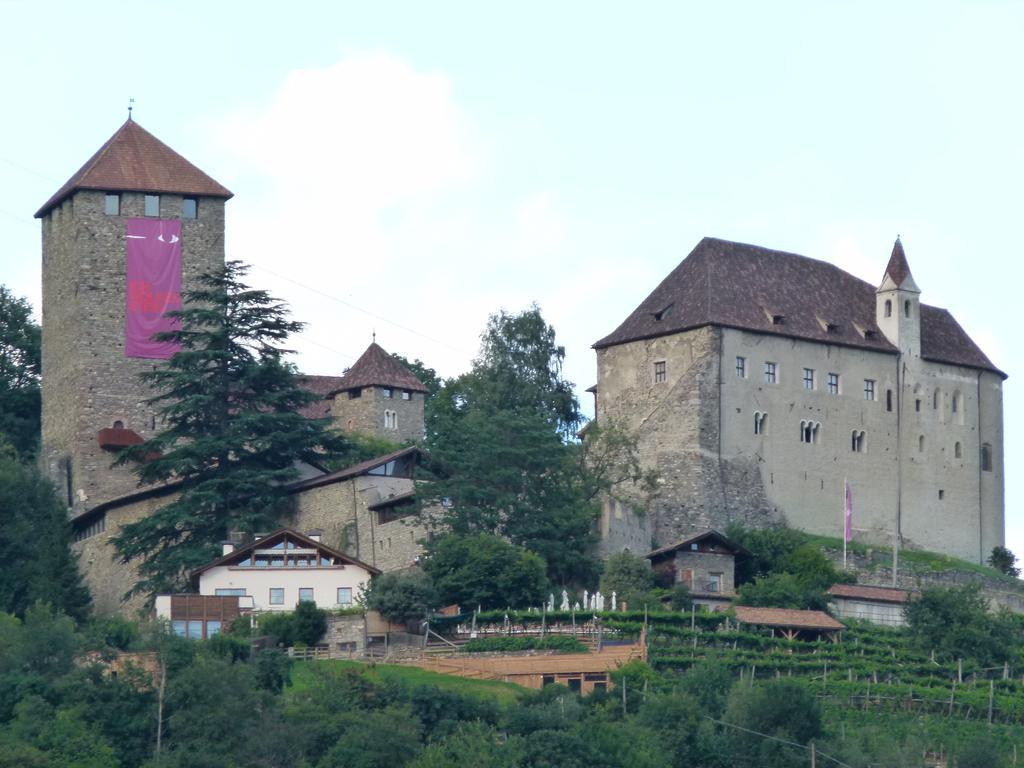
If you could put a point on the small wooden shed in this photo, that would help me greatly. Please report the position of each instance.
(879, 605)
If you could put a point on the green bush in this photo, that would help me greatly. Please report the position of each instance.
(499, 644)
(401, 596)
(305, 625)
(629, 576)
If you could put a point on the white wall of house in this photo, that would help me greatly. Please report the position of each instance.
(258, 583)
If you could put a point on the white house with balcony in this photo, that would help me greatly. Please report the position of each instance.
(275, 572)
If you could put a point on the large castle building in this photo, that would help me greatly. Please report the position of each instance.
(760, 384)
(123, 239)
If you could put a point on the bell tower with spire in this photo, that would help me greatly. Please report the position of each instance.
(898, 304)
(98, 312)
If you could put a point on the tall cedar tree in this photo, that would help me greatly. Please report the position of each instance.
(499, 439)
(20, 366)
(232, 435)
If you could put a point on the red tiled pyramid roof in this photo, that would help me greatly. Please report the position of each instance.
(376, 368)
(743, 286)
(134, 160)
(898, 268)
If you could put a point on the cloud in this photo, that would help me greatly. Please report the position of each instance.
(348, 182)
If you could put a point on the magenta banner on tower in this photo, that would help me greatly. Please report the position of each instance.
(153, 274)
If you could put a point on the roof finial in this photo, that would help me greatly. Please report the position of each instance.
(130, 102)
(374, 335)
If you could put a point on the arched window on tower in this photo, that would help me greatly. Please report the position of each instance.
(809, 431)
(857, 441)
(958, 450)
(906, 308)
(986, 457)
(760, 423)
(888, 307)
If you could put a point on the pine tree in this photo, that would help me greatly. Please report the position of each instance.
(233, 434)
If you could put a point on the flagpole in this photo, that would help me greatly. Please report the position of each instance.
(846, 517)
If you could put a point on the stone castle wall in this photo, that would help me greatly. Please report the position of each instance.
(365, 414)
(88, 383)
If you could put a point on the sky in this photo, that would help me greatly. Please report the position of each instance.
(407, 169)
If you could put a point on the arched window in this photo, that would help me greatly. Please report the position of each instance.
(986, 457)
(906, 308)
(957, 407)
(920, 444)
(857, 442)
(957, 450)
(809, 431)
(888, 307)
(760, 423)
(118, 424)
(390, 420)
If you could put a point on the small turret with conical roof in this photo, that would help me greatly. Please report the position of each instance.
(379, 396)
(898, 305)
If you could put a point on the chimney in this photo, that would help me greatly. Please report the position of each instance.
(316, 534)
(227, 547)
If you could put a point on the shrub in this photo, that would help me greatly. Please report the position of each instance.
(629, 576)
(1004, 561)
(498, 644)
(955, 622)
(401, 596)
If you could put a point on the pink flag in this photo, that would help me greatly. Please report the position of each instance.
(848, 513)
(153, 276)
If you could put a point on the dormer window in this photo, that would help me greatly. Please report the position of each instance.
(774, 318)
(869, 334)
(664, 313)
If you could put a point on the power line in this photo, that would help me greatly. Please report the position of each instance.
(367, 312)
(804, 747)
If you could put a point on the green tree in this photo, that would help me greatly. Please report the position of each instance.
(421, 371)
(955, 622)
(979, 752)
(402, 596)
(485, 570)
(1004, 561)
(500, 444)
(783, 709)
(20, 368)
(628, 575)
(35, 545)
(233, 432)
(472, 743)
(379, 739)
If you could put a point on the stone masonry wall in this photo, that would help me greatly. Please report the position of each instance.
(88, 383)
(677, 426)
(365, 414)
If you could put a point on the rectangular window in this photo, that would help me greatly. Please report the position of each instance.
(152, 205)
(179, 628)
(770, 373)
(354, 393)
(833, 383)
(869, 389)
(714, 582)
(305, 594)
(195, 630)
(229, 592)
(741, 367)
(112, 204)
(277, 595)
(386, 392)
(212, 628)
(808, 378)
(659, 372)
(406, 394)
(344, 595)
(189, 208)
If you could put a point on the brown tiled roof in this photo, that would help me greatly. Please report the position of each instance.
(786, 617)
(720, 537)
(134, 160)
(263, 541)
(355, 470)
(745, 286)
(898, 268)
(322, 386)
(877, 594)
(375, 367)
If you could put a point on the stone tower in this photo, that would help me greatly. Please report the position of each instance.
(897, 310)
(379, 396)
(127, 233)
